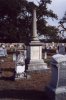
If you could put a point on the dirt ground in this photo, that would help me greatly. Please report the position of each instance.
(23, 89)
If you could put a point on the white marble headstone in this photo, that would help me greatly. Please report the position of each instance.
(20, 69)
(20, 64)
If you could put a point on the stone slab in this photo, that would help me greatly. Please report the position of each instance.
(58, 58)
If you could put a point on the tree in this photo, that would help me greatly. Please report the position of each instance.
(9, 22)
(16, 20)
(44, 13)
(62, 23)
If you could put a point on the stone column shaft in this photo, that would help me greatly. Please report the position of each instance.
(34, 24)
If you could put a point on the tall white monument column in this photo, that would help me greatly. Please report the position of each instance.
(34, 49)
(35, 36)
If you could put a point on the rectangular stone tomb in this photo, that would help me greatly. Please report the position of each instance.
(57, 86)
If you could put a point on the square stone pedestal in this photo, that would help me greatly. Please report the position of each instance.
(34, 56)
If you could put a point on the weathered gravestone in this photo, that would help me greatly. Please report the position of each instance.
(20, 66)
(57, 88)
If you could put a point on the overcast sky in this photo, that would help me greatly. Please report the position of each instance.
(58, 6)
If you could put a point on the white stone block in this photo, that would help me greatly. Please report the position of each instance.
(36, 52)
(20, 69)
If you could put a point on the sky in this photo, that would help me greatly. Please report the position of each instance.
(58, 6)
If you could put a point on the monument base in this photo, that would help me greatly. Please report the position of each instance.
(56, 94)
(34, 54)
(36, 65)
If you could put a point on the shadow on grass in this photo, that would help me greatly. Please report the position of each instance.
(23, 95)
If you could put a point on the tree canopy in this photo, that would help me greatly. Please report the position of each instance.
(16, 20)
(62, 23)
